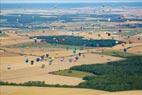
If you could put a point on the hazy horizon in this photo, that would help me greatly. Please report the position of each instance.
(67, 1)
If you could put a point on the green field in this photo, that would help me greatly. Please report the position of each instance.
(125, 31)
(117, 53)
(114, 76)
(72, 73)
(43, 45)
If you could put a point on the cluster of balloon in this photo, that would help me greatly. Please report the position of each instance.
(103, 8)
(76, 57)
(109, 34)
(38, 59)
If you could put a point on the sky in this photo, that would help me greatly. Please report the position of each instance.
(64, 1)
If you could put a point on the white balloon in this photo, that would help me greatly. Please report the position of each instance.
(116, 42)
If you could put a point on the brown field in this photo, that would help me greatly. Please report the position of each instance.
(21, 72)
(10, 90)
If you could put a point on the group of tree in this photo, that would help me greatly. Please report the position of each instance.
(114, 76)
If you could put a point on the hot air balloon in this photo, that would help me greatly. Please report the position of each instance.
(119, 30)
(37, 59)
(70, 60)
(130, 42)
(99, 35)
(47, 55)
(83, 55)
(43, 66)
(62, 59)
(123, 44)
(139, 38)
(17, 20)
(51, 60)
(125, 49)
(116, 42)
(109, 19)
(128, 37)
(8, 67)
(42, 57)
(102, 51)
(109, 34)
(76, 58)
(32, 62)
(26, 61)
(74, 51)
(54, 38)
(79, 54)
